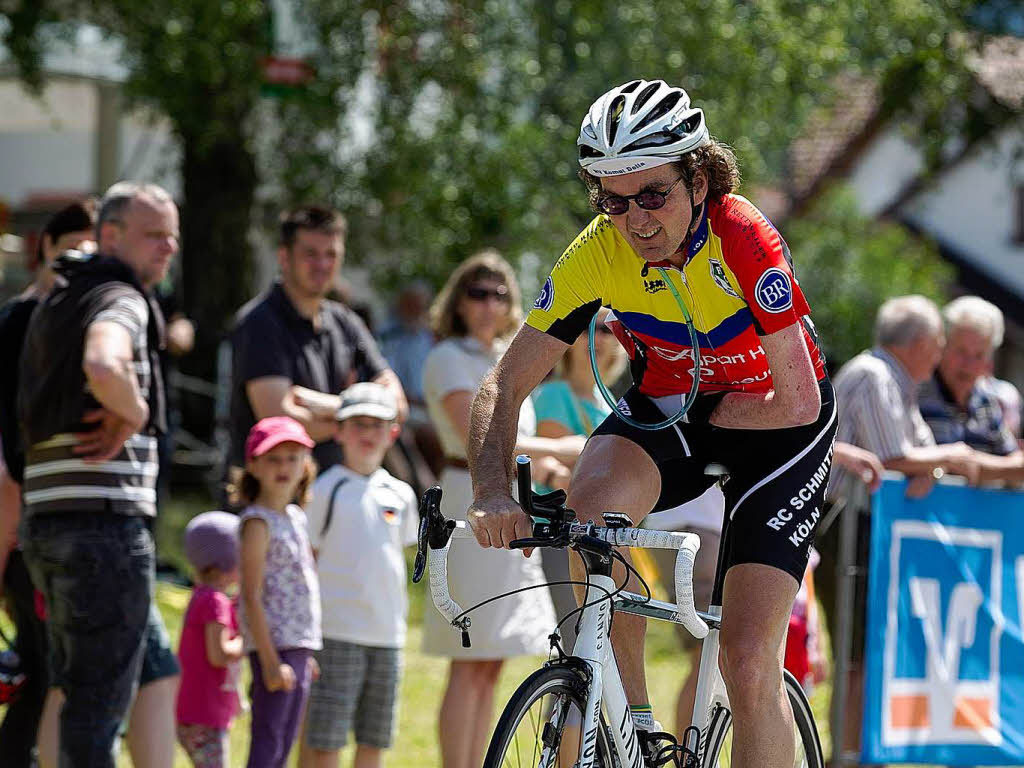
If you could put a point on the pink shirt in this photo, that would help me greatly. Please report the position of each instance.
(208, 695)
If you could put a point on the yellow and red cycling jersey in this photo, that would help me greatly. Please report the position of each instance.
(737, 282)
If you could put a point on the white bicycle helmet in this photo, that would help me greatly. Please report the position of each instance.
(641, 124)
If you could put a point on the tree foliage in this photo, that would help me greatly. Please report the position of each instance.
(444, 126)
(847, 266)
(475, 106)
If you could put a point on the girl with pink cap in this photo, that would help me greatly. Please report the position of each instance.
(280, 606)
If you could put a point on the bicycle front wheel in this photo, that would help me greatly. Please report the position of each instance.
(718, 752)
(540, 726)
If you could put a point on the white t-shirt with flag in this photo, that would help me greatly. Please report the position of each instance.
(361, 562)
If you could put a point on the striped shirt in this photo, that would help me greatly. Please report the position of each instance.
(878, 411)
(57, 480)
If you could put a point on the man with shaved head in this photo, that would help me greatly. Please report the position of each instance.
(91, 406)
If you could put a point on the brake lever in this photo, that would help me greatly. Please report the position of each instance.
(434, 530)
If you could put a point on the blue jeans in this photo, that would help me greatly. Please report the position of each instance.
(96, 572)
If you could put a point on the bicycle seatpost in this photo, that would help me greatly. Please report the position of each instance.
(525, 483)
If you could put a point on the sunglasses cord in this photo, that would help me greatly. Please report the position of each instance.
(694, 346)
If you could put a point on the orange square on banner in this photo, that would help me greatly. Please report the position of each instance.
(908, 711)
(975, 714)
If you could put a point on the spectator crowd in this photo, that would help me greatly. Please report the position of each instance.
(333, 435)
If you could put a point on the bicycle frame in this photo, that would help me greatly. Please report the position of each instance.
(593, 646)
(711, 712)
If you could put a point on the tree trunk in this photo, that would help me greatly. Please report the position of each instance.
(217, 257)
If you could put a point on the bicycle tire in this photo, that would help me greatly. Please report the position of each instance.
(809, 755)
(559, 680)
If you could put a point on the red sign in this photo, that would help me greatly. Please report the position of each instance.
(279, 70)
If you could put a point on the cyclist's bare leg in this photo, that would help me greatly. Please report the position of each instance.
(616, 475)
(757, 601)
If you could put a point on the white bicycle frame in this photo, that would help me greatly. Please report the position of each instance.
(594, 647)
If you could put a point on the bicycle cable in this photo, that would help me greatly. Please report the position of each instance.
(570, 582)
(609, 398)
(608, 595)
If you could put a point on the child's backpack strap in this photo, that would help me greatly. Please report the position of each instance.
(330, 506)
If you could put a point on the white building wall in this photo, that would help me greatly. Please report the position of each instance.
(48, 145)
(971, 208)
(883, 170)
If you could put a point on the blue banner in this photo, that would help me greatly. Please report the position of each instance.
(945, 658)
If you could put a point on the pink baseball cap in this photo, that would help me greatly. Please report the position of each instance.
(272, 431)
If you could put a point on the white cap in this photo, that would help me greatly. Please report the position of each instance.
(367, 399)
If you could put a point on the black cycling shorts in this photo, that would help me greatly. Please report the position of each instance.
(775, 493)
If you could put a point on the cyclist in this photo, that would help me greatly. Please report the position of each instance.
(664, 193)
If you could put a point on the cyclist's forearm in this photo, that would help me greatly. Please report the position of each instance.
(754, 410)
(493, 424)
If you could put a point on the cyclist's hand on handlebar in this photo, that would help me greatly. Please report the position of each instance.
(498, 520)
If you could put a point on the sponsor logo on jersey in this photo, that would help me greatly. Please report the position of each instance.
(623, 407)
(390, 516)
(774, 292)
(653, 286)
(718, 275)
(546, 297)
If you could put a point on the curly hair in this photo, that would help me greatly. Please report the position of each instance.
(445, 319)
(715, 159)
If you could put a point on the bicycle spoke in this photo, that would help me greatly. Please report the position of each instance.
(535, 741)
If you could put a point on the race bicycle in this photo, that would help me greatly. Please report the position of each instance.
(572, 712)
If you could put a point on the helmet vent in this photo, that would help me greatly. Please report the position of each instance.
(689, 125)
(654, 140)
(588, 151)
(630, 87)
(663, 108)
(615, 117)
(645, 96)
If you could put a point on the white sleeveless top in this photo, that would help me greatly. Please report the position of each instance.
(460, 363)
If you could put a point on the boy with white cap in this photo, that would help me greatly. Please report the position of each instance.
(359, 521)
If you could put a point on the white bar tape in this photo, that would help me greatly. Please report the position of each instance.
(437, 560)
(687, 545)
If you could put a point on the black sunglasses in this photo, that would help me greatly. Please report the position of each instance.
(616, 205)
(477, 293)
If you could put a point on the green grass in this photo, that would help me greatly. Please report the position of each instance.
(424, 679)
(416, 745)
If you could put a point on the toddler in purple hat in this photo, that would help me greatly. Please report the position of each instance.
(211, 647)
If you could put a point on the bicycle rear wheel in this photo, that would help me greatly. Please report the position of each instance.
(540, 725)
(718, 753)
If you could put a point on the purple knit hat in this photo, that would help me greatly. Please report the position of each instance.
(211, 541)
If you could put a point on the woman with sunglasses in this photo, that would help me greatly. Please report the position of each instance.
(473, 317)
(672, 240)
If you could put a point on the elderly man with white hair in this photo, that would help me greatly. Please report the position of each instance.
(959, 402)
(877, 393)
